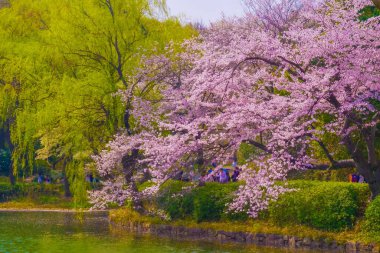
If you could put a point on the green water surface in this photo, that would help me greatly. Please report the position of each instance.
(91, 233)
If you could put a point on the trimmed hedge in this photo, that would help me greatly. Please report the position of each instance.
(372, 217)
(322, 205)
(330, 206)
(210, 202)
(362, 190)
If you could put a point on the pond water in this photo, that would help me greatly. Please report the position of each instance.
(90, 233)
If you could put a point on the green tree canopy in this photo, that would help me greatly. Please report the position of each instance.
(61, 64)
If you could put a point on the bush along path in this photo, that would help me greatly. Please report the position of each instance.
(318, 215)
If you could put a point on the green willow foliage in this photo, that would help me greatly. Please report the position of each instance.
(61, 63)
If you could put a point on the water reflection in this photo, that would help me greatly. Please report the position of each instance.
(63, 232)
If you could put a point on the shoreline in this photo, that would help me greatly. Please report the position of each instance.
(252, 233)
(287, 242)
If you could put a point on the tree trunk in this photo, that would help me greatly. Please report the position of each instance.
(129, 167)
(129, 163)
(374, 183)
(12, 178)
(376, 3)
(366, 163)
(66, 187)
(200, 161)
(127, 115)
(374, 188)
(8, 144)
(66, 183)
(372, 177)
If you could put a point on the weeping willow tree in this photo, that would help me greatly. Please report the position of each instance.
(61, 64)
(25, 81)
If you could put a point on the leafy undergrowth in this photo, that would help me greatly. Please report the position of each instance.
(124, 216)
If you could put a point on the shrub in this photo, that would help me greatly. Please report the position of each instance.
(207, 203)
(363, 197)
(174, 200)
(372, 217)
(322, 205)
(328, 206)
(7, 191)
(210, 201)
(123, 216)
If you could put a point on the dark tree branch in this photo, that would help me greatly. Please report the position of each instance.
(293, 64)
(326, 151)
(272, 63)
(259, 145)
(334, 101)
(110, 8)
(257, 58)
(119, 67)
(337, 165)
(369, 134)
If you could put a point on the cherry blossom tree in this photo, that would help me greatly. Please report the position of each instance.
(281, 92)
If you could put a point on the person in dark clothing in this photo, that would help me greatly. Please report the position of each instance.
(235, 174)
(355, 178)
(223, 176)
